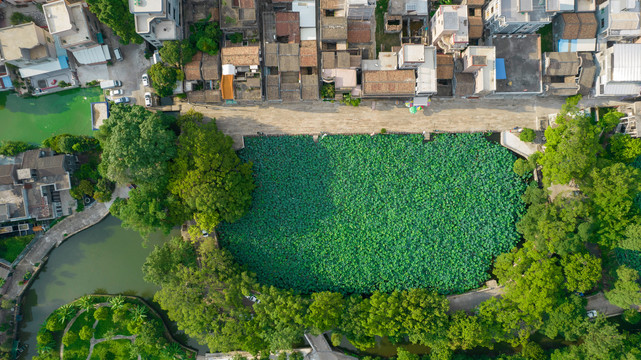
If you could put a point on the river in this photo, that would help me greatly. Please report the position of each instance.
(105, 256)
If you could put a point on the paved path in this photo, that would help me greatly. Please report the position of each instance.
(470, 300)
(599, 303)
(94, 342)
(322, 350)
(454, 115)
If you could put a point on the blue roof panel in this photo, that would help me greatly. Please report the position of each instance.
(500, 69)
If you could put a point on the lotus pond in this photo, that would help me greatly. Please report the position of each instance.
(361, 213)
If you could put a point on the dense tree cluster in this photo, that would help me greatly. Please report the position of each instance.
(194, 175)
(116, 15)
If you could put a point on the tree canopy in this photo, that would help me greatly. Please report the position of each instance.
(116, 15)
(208, 175)
(163, 78)
(571, 146)
(137, 145)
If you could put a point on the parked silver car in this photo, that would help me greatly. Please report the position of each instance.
(147, 99)
(122, 100)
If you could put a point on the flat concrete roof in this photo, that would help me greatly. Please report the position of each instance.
(146, 6)
(25, 36)
(57, 16)
(522, 57)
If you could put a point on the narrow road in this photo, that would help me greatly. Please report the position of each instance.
(452, 115)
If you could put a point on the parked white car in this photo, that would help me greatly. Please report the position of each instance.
(592, 314)
(147, 99)
(145, 79)
(116, 92)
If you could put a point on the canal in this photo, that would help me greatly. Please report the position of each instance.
(33, 119)
(105, 256)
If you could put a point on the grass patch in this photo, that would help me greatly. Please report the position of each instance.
(11, 247)
(383, 40)
(547, 40)
(360, 213)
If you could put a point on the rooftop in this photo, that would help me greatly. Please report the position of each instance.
(288, 26)
(210, 67)
(518, 58)
(333, 28)
(408, 7)
(288, 58)
(561, 63)
(332, 4)
(388, 83)
(445, 66)
(192, 68)
(344, 79)
(626, 62)
(241, 55)
(146, 6)
(426, 73)
(57, 16)
(359, 32)
(25, 41)
(308, 53)
(576, 25)
(309, 90)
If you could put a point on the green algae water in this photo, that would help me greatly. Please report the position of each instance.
(105, 256)
(34, 119)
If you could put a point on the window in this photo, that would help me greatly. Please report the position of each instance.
(602, 23)
(169, 8)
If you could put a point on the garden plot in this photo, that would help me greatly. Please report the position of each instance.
(359, 213)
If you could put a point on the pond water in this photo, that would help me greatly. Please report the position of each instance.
(34, 119)
(105, 256)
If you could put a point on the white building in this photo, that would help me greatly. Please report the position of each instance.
(411, 56)
(76, 33)
(519, 16)
(426, 77)
(619, 20)
(449, 27)
(620, 71)
(157, 20)
(481, 61)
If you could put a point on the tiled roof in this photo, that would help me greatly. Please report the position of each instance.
(388, 82)
(444, 66)
(288, 24)
(579, 26)
(288, 59)
(240, 55)
(271, 54)
(359, 32)
(310, 87)
(192, 69)
(308, 53)
(475, 27)
(562, 63)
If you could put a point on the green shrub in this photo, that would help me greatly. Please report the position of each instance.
(86, 333)
(328, 91)
(336, 339)
(359, 213)
(102, 313)
(69, 338)
(12, 148)
(18, 18)
(523, 168)
(527, 135)
(632, 316)
(236, 38)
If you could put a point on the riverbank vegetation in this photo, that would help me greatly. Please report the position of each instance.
(119, 327)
